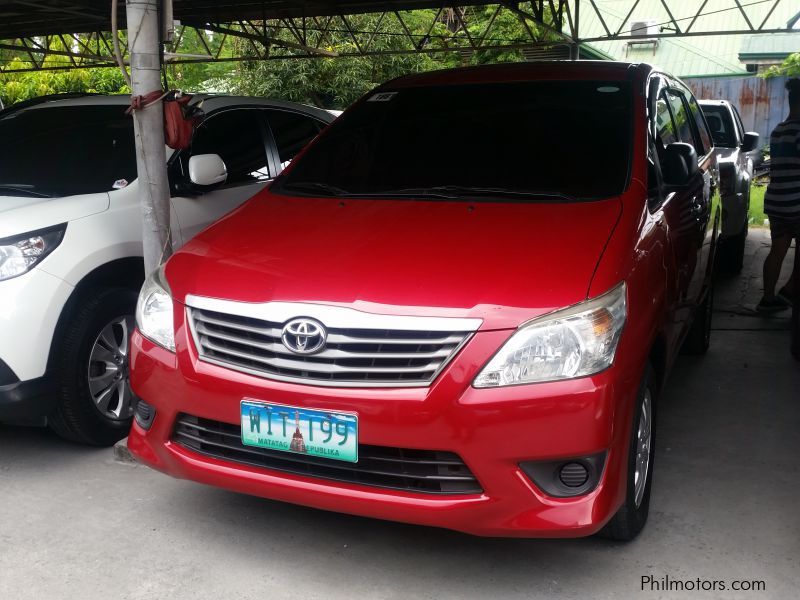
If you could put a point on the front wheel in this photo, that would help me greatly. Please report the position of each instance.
(94, 395)
(730, 259)
(630, 519)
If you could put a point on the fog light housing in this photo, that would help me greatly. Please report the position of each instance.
(144, 414)
(573, 474)
(566, 477)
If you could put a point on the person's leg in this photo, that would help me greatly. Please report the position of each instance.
(772, 264)
(790, 290)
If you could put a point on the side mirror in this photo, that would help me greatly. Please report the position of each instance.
(679, 165)
(750, 141)
(207, 170)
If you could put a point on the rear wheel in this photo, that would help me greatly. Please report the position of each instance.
(630, 519)
(94, 395)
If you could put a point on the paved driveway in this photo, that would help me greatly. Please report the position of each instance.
(74, 523)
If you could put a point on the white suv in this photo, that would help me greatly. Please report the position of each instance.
(70, 241)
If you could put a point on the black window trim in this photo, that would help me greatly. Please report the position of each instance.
(276, 155)
(737, 118)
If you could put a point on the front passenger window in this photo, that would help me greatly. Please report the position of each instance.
(665, 127)
(682, 119)
(236, 135)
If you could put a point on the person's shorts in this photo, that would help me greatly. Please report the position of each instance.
(782, 227)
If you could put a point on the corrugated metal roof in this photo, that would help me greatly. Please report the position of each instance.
(716, 55)
(777, 44)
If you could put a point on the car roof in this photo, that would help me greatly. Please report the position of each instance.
(526, 71)
(211, 103)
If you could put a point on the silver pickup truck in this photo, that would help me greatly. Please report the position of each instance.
(733, 146)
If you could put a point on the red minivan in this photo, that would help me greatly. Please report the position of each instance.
(457, 307)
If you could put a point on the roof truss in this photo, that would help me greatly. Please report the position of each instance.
(74, 33)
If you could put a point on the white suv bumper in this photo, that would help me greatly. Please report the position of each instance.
(30, 306)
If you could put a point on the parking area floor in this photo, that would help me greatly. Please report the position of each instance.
(75, 523)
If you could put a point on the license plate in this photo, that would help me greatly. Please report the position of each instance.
(300, 430)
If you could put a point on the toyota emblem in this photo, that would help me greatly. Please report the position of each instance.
(304, 336)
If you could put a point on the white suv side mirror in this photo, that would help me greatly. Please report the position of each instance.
(207, 169)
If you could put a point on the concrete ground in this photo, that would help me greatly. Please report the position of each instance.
(75, 523)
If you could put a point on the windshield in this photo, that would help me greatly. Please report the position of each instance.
(516, 141)
(721, 126)
(66, 150)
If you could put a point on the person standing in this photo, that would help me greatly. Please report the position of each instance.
(782, 204)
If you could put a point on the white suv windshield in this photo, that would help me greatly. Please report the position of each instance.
(519, 140)
(65, 150)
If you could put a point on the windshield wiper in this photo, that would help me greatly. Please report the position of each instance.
(23, 188)
(332, 190)
(315, 186)
(458, 191)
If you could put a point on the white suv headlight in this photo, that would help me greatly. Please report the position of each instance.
(19, 254)
(574, 342)
(154, 311)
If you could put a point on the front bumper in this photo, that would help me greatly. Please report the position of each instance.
(23, 401)
(30, 306)
(492, 430)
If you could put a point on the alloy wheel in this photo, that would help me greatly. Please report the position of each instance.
(108, 374)
(643, 448)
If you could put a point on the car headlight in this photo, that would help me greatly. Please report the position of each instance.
(19, 254)
(574, 342)
(154, 310)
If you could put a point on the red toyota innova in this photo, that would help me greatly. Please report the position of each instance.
(457, 307)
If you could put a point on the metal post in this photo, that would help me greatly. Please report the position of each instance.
(144, 30)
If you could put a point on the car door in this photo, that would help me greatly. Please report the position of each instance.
(696, 202)
(711, 213)
(239, 136)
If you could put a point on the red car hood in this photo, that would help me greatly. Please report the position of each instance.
(502, 262)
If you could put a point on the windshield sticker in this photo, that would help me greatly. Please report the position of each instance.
(382, 97)
(119, 184)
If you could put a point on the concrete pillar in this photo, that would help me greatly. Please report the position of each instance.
(151, 160)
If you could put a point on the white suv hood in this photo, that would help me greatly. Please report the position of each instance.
(20, 214)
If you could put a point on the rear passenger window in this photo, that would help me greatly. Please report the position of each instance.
(292, 132)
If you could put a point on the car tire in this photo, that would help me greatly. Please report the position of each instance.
(91, 365)
(731, 254)
(699, 337)
(631, 517)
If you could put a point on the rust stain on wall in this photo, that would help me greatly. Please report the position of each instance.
(746, 96)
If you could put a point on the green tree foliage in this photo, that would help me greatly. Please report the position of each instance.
(789, 67)
(322, 81)
(336, 82)
(15, 87)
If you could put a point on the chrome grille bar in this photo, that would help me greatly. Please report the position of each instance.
(362, 349)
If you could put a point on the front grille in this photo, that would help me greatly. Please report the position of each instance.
(351, 357)
(425, 471)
